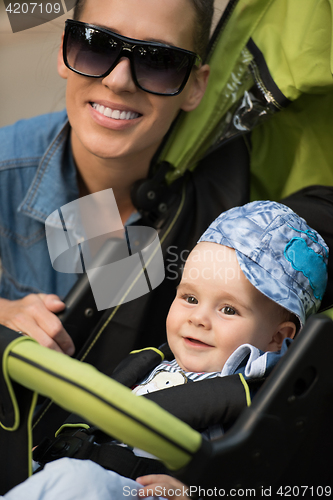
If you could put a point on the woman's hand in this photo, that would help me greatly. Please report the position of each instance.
(161, 485)
(34, 316)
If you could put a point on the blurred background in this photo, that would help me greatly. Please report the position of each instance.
(29, 82)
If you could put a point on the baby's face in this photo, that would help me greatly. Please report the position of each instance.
(216, 310)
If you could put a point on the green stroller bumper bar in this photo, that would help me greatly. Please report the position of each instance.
(80, 388)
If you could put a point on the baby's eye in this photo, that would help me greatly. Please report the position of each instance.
(190, 299)
(228, 310)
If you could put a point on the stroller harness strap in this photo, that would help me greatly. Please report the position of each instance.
(107, 404)
(199, 404)
(82, 444)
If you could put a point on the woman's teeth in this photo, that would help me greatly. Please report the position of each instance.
(116, 114)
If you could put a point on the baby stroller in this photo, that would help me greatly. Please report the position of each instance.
(260, 132)
(279, 444)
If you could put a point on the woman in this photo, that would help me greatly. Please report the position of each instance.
(116, 126)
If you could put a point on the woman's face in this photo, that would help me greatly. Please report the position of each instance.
(147, 117)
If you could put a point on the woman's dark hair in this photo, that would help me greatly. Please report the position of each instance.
(204, 10)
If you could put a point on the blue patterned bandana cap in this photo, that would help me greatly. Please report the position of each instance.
(278, 252)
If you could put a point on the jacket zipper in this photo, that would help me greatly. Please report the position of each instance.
(264, 80)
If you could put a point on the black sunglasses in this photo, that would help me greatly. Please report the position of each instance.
(156, 68)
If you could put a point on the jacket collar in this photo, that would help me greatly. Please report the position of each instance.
(55, 182)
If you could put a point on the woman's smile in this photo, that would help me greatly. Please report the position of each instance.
(115, 112)
(113, 116)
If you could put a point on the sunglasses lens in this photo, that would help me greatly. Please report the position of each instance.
(157, 69)
(160, 69)
(90, 51)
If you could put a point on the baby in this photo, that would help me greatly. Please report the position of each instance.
(251, 282)
(256, 275)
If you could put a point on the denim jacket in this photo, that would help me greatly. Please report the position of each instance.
(37, 176)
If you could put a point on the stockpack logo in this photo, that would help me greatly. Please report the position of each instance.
(26, 15)
(88, 236)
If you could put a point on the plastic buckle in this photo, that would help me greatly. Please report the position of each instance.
(64, 445)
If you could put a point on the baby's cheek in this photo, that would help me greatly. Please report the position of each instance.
(173, 319)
